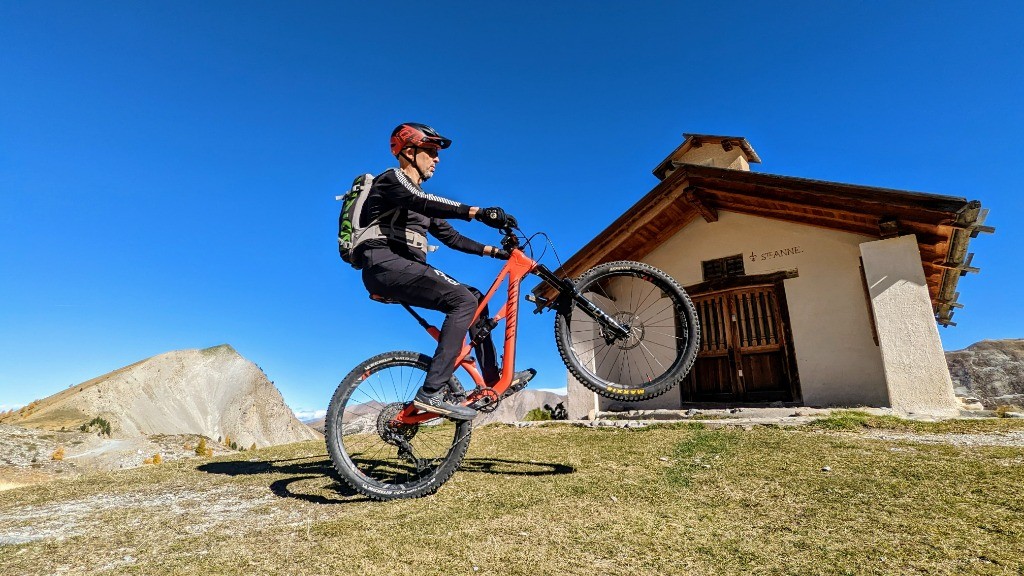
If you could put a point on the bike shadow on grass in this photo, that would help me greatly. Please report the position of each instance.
(308, 474)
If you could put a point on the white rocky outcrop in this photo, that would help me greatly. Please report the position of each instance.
(991, 371)
(214, 392)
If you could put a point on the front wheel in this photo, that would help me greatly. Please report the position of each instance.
(662, 340)
(379, 457)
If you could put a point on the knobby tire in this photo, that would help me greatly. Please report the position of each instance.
(663, 342)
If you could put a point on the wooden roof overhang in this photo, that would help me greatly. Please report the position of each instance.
(943, 225)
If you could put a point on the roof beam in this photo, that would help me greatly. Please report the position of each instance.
(693, 197)
(964, 267)
(888, 227)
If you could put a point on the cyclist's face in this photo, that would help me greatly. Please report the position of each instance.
(427, 159)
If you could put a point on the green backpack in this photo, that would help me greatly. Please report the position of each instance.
(348, 221)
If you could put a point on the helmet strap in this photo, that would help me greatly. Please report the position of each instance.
(415, 164)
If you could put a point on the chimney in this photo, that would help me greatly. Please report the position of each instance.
(730, 152)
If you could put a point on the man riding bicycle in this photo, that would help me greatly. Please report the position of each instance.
(394, 263)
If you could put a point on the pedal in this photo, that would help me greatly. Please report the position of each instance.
(519, 384)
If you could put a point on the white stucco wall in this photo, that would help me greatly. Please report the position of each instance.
(915, 367)
(712, 154)
(837, 359)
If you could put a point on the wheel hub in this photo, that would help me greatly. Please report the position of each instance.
(635, 327)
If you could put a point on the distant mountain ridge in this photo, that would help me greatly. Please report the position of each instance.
(214, 392)
(990, 370)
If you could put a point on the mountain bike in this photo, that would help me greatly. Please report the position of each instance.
(625, 330)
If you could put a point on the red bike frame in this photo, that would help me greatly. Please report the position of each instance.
(519, 265)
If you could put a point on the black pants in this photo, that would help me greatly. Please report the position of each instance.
(416, 284)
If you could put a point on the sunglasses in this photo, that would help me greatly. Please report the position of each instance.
(432, 152)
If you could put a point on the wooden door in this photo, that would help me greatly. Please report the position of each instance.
(744, 354)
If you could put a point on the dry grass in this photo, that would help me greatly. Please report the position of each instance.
(550, 500)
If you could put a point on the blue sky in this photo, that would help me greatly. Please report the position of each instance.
(168, 170)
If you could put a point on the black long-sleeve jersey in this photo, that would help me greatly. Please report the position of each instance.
(418, 212)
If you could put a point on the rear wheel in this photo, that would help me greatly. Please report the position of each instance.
(375, 456)
(661, 344)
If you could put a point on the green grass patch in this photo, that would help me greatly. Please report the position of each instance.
(858, 420)
(703, 449)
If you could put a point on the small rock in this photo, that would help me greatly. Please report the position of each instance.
(614, 499)
(826, 468)
(524, 534)
(691, 412)
(735, 410)
(706, 465)
(1014, 414)
(663, 458)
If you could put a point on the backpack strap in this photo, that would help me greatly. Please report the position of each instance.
(381, 230)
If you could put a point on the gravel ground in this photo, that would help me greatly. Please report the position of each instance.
(987, 439)
(26, 454)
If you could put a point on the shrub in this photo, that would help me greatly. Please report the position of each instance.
(558, 412)
(201, 449)
(547, 413)
(537, 414)
(100, 425)
(253, 447)
(1003, 409)
(154, 459)
(58, 454)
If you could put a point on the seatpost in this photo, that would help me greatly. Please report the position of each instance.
(422, 321)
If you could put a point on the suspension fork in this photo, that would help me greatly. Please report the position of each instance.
(568, 294)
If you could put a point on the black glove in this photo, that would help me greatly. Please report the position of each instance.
(494, 217)
(499, 253)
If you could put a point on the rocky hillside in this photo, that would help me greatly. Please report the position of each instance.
(990, 370)
(214, 392)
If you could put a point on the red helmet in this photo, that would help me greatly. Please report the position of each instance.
(416, 136)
